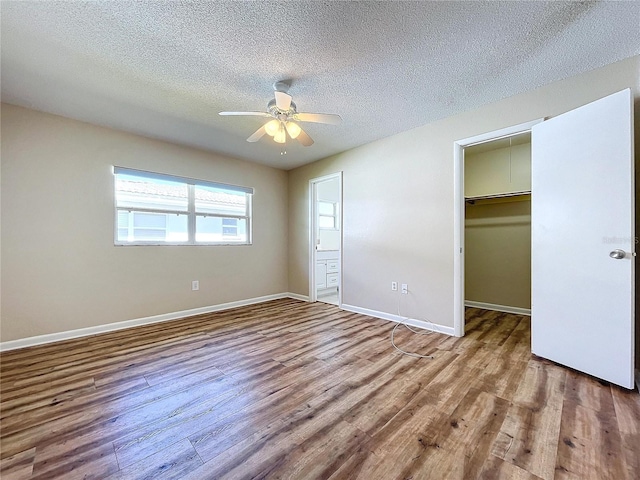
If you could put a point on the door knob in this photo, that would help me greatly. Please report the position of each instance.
(618, 254)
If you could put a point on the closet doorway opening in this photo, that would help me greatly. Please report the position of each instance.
(493, 223)
(325, 249)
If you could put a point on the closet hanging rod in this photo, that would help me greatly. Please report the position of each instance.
(472, 200)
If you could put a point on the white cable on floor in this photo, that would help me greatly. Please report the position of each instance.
(410, 354)
(393, 332)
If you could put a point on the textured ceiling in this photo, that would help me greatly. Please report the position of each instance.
(164, 69)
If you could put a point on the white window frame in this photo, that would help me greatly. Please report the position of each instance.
(131, 228)
(235, 226)
(191, 213)
(334, 216)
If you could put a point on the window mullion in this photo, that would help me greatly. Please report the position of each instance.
(220, 215)
(249, 221)
(130, 234)
(152, 210)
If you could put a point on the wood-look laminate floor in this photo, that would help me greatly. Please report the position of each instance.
(287, 389)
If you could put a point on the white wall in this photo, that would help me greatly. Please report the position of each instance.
(60, 269)
(398, 198)
(329, 190)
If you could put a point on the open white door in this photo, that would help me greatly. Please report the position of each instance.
(583, 245)
(325, 249)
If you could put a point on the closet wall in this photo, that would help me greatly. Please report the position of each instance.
(498, 230)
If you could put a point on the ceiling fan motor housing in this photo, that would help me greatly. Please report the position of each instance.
(285, 118)
(282, 86)
(283, 115)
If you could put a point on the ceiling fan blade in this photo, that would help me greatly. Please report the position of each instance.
(257, 135)
(283, 100)
(329, 118)
(304, 139)
(257, 114)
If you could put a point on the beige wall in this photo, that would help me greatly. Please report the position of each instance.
(397, 204)
(60, 269)
(502, 170)
(498, 253)
(398, 198)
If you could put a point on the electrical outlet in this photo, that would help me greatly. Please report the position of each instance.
(405, 289)
(195, 285)
(394, 286)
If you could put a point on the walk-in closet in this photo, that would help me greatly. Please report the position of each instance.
(497, 237)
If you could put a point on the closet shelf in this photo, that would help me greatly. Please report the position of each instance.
(473, 199)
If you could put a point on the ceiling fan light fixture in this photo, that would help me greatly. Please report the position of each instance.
(272, 127)
(281, 135)
(293, 129)
(283, 118)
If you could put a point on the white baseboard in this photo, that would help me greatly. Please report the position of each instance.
(499, 308)
(296, 296)
(136, 322)
(398, 319)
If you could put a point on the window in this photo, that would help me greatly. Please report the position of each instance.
(327, 215)
(157, 209)
(229, 227)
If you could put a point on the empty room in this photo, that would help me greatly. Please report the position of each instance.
(319, 240)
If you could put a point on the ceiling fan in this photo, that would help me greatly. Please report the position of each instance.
(285, 118)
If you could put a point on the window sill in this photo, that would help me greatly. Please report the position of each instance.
(164, 244)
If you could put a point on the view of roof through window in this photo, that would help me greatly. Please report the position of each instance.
(154, 210)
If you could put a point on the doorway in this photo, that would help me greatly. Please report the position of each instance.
(582, 237)
(499, 190)
(325, 269)
(497, 236)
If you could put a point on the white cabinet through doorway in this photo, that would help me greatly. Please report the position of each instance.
(327, 270)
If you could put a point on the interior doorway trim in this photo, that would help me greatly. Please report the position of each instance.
(458, 212)
(313, 226)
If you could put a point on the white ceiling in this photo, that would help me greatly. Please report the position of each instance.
(164, 69)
